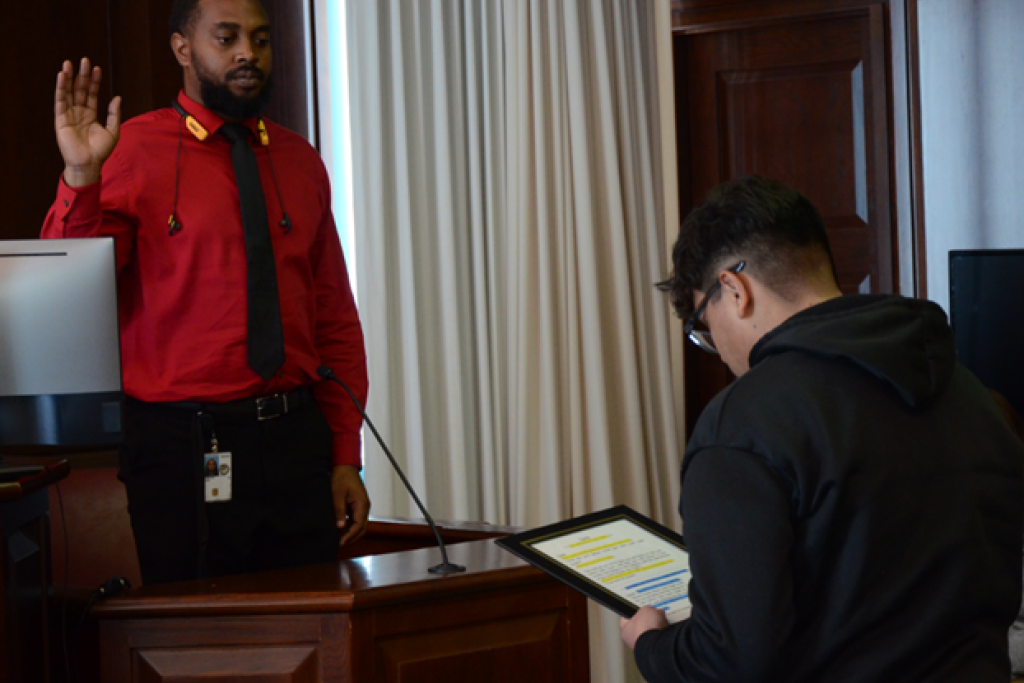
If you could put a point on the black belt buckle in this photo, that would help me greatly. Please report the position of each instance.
(269, 407)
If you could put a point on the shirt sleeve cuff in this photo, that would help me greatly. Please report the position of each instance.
(81, 201)
(347, 450)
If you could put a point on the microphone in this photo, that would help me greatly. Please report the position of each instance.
(445, 567)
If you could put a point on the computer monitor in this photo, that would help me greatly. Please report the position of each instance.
(60, 353)
(986, 308)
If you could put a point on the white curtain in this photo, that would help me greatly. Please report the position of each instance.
(514, 183)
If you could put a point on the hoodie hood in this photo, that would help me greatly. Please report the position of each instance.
(905, 342)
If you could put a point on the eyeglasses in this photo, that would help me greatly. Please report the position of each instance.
(702, 338)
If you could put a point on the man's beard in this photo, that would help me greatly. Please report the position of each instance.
(218, 98)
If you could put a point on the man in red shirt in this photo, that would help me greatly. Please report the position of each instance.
(187, 303)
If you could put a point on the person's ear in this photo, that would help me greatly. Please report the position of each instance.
(738, 293)
(182, 50)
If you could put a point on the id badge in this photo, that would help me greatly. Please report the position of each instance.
(217, 479)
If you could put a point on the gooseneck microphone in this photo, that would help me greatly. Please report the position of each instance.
(445, 567)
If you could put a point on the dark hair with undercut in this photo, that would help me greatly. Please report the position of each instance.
(184, 14)
(772, 227)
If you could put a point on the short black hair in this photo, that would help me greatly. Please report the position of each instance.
(771, 226)
(184, 14)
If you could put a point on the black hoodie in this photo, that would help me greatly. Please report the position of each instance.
(853, 507)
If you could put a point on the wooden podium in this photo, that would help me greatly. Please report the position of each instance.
(380, 617)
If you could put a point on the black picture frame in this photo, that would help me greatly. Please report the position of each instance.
(520, 546)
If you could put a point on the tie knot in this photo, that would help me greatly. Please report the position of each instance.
(235, 131)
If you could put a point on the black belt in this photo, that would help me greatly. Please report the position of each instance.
(262, 408)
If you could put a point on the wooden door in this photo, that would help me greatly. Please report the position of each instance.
(805, 101)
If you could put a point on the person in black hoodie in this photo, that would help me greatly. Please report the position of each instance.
(853, 502)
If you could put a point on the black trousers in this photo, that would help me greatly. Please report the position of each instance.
(281, 513)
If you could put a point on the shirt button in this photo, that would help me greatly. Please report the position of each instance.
(65, 202)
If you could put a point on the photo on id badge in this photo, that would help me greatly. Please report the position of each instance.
(217, 476)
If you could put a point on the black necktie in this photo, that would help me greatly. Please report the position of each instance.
(265, 338)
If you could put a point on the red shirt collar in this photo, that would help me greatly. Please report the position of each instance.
(209, 120)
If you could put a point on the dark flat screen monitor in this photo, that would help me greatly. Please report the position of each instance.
(986, 309)
(60, 354)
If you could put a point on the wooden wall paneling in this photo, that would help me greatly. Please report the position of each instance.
(683, 123)
(900, 24)
(916, 170)
(690, 5)
(143, 71)
(907, 166)
(705, 376)
(42, 35)
(803, 99)
(691, 369)
(290, 105)
(879, 138)
(712, 15)
(802, 103)
(137, 65)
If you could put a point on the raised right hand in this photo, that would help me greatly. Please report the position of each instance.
(84, 143)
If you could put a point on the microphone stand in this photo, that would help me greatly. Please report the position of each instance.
(445, 567)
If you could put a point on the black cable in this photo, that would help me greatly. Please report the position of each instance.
(286, 222)
(110, 588)
(173, 220)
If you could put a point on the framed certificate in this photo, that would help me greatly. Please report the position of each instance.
(618, 557)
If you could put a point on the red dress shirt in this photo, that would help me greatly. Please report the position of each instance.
(182, 296)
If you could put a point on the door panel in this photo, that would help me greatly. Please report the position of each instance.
(803, 101)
